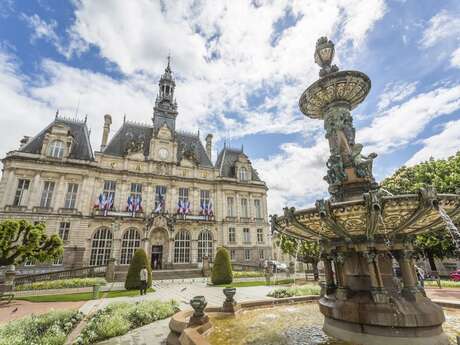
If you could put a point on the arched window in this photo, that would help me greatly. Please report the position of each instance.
(101, 247)
(56, 149)
(182, 247)
(204, 245)
(243, 174)
(131, 241)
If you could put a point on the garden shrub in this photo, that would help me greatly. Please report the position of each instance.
(137, 262)
(119, 318)
(62, 284)
(248, 274)
(304, 290)
(47, 329)
(222, 268)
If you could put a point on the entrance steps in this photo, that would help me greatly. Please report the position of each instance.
(179, 273)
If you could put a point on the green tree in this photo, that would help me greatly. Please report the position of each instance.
(222, 268)
(307, 251)
(442, 174)
(21, 241)
(138, 261)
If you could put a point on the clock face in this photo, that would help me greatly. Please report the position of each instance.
(163, 153)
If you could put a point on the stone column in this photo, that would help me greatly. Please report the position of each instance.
(328, 273)
(59, 194)
(35, 191)
(342, 290)
(407, 272)
(379, 294)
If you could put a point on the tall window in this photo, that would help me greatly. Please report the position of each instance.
(183, 196)
(204, 198)
(230, 207)
(109, 190)
(182, 247)
(204, 245)
(232, 254)
(243, 174)
(261, 254)
(231, 235)
(257, 209)
(56, 149)
(260, 236)
(21, 192)
(244, 207)
(160, 195)
(71, 196)
(247, 254)
(47, 194)
(64, 229)
(136, 190)
(101, 247)
(246, 235)
(131, 241)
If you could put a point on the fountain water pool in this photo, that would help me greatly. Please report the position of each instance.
(299, 324)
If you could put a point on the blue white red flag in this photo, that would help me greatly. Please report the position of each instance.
(210, 211)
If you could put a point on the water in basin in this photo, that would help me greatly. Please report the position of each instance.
(299, 324)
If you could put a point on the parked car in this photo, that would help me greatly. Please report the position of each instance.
(455, 276)
(280, 267)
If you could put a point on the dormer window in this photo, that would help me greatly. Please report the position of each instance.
(243, 174)
(56, 149)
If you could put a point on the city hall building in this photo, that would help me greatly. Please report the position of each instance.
(149, 186)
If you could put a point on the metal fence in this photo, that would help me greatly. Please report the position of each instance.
(84, 272)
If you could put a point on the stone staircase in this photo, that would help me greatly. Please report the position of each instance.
(182, 273)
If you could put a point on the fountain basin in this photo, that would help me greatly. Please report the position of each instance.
(287, 321)
(374, 216)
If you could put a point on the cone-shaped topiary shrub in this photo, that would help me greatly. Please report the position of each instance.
(137, 262)
(222, 268)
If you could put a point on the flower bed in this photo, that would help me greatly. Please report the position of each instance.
(47, 329)
(303, 290)
(119, 318)
(62, 284)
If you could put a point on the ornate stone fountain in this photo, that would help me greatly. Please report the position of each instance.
(363, 230)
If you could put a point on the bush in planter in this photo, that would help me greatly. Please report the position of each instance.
(138, 261)
(222, 268)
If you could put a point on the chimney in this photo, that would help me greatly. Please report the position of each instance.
(106, 131)
(209, 146)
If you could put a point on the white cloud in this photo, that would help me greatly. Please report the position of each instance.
(395, 92)
(295, 175)
(401, 124)
(443, 26)
(442, 145)
(455, 58)
(41, 29)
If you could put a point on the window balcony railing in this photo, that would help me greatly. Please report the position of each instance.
(194, 217)
(245, 219)
(230, 219)
(12, 208)
(40, 209)
(64, 210)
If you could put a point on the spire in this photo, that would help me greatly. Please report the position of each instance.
(168, 68)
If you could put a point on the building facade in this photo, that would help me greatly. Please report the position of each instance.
(149, 186)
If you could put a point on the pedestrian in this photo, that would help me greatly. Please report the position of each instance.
(143, 275)
(420, 276)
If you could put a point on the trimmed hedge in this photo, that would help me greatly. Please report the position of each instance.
(304, 290)
(137, 262)
(61, 284)
(222, 268)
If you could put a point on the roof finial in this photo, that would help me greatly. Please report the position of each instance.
(242, 148)
(124, 118)
(86, 118)
(57, 113)
(168, 68)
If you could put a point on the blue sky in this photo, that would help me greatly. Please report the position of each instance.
(240, 68)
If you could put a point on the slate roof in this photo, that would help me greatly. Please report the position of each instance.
(142, 134)
(226, 163)
(81, 147)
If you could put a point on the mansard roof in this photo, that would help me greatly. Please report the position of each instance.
(81, 146)
(226, 163)
(136, 134)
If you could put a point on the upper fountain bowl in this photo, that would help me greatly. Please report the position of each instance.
(347, 87)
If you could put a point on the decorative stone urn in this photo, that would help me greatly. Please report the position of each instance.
(230, 305)
(198, 304)
(363, 230)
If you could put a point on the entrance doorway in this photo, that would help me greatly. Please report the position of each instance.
(157, 257)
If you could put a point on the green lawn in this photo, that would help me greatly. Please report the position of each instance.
(82, 296)
(258, 283)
